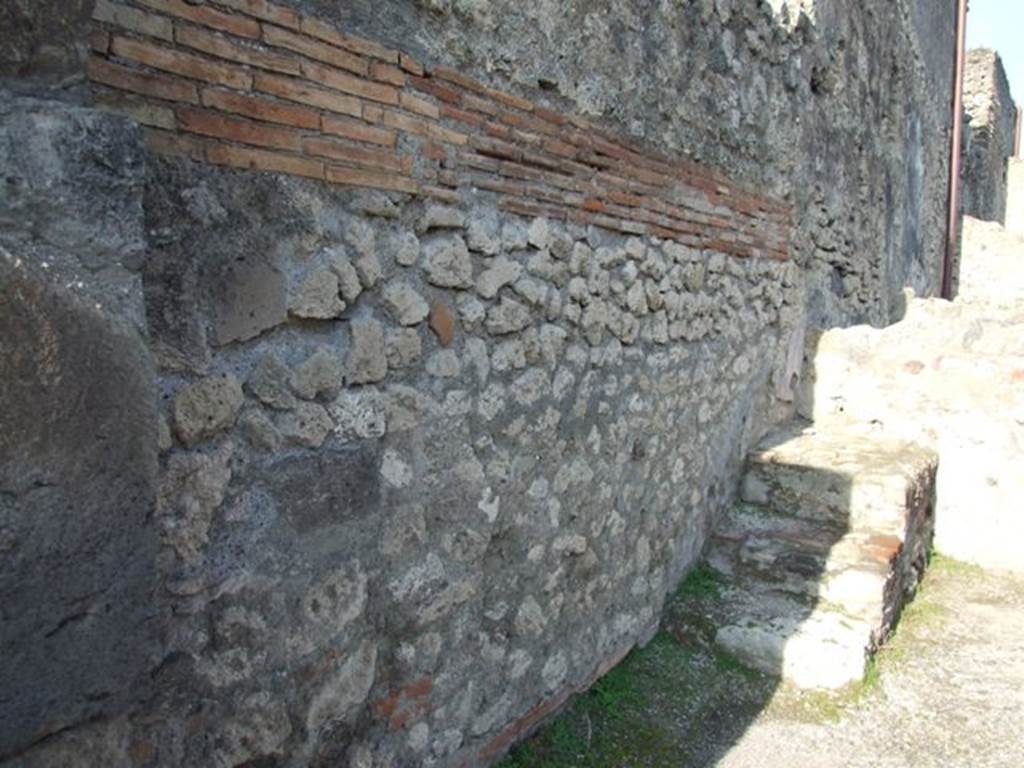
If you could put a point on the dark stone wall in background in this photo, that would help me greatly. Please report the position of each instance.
(993, 116)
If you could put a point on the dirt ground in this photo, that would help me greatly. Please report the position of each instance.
(947, 690)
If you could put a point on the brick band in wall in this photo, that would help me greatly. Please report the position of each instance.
(248, 84)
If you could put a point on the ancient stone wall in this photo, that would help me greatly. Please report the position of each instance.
(1015, 195)
(445, 328)
(993, 116)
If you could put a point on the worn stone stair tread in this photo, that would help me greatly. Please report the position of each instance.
(841, 477)
(811, 645)
(803, 557)
(816, 562)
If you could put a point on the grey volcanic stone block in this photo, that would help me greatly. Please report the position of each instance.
(78, 463)
(315, 491)
(43, 38)
(71, 197)
(249, 296)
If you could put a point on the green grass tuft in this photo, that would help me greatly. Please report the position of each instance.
(702, 583)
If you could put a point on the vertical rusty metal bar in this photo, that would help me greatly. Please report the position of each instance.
(953, 222)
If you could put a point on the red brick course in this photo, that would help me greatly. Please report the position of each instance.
(288, 93)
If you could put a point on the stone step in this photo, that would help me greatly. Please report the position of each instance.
(817, 562)
(810, 646)
(804, 558)
(841, 478)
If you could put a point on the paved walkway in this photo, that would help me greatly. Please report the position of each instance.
(950, 691)
(947, 692)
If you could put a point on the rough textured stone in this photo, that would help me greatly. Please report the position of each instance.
(367, 357)
(248, 296)
(582, 422)
(404, 347)
(499, 272)
(324, 489)
(444, 364)
(206, 407)
(406, 248)
(317, 296)
(307, 424)
(440, 217)
(78, 476)
(447, 263)
(405, 305)
(508, 316)
(269, 383)
(259, 430)
(348, 277)
(321, 373)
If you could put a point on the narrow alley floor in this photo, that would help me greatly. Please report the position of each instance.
(947, 689)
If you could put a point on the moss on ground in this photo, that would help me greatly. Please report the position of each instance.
(675, 704)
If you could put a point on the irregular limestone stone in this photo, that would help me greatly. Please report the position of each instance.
(482, 237)
(404, 303)
(440, 217)
(369, 268)
(533, 292)
(316, 296)
(256, 732)
(444, 364)
(636, 299)
(191, 489)
(165, 440)
(404, 347)
(361, 236)
(259, 430)
(447, 263)
(471, 311)
(322, 372)
(531, 386)
(406, 248)
(442, 322)
(508, 316)
(308, 424)
(554, 671)
(530, 620)
(359, 415)
(539, 234)
(268, 383)
(348, 278)
(499, 273)
(331, 604)
(203, 409)
(367, 357)
(394, 470)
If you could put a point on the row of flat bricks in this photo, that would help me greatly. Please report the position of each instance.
(249, 84)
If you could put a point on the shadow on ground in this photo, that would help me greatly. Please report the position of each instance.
(802, 580)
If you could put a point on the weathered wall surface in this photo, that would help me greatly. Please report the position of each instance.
(1015, 195)
(993, 116)
(838, 111)
(413, 463)
(948, 376)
